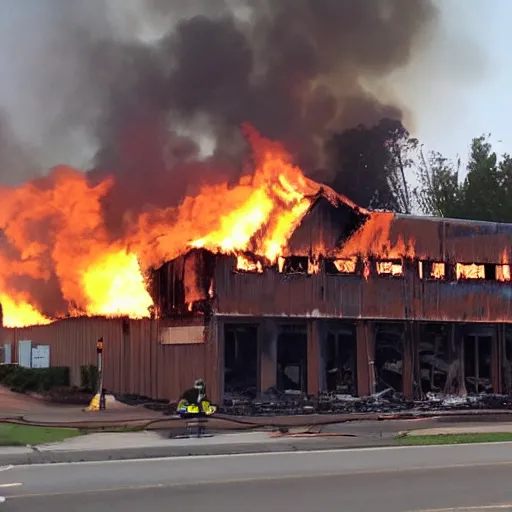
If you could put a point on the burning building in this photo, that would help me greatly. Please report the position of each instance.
(276, 282)
(359, 302)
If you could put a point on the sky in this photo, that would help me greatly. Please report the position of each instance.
(446, 112)
(449, 114)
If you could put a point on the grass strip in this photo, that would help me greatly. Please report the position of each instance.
(436, 439)
(22, 435)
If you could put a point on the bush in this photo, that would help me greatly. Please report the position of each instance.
(24, 380)
(89, 378)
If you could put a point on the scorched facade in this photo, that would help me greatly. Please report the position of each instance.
(359, 302)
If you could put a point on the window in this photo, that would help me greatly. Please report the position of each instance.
(247, 264)
(469, 271)
(293, 264)
(339, 266)
(432, 270)
(390, 268)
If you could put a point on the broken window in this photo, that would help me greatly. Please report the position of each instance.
(292, 360)
(470, 271)
(432, 270)
(293, 264)
(389, 357)
(241, 359)
(477, 363)
(390, 268)
(507, 361)
(341, 364)
(436, 359)
(340, 266)
(248, 264)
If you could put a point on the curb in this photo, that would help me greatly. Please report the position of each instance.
(38, 457)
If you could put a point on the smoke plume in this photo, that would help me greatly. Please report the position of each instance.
(142, 84)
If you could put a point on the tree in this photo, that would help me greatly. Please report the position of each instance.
(371, 165)
(484, 194)
(439, 192)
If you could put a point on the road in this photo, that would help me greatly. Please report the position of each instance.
(384, 479)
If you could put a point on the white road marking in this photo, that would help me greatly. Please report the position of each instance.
(265, 454)
(5, 468)
(491, 508)
(4, 486)
(2, 499)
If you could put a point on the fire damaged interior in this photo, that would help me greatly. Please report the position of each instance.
(360, 309)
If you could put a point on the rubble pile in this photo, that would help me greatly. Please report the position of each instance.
(275, 403)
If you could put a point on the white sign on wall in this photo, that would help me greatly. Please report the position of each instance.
(41, 356)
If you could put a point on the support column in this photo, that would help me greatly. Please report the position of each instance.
(267, 354)
(498, 346)
(365, 358)
(314, 357)
(213, 369)
(410, 348)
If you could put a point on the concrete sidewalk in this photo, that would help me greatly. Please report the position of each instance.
(138, 445)
(151, 444)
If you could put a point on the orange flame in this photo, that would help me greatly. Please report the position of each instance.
(54, 231)
(347, 266)
(472, 271)
(19, 313)
(245, 264)
(438, 270)
(503, 270)
(392, 268)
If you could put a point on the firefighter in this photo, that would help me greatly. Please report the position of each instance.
(196, 394)
(194, 401)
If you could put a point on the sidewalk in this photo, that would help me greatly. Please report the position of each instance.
(110, 446)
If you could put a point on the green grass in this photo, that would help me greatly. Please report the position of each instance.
(494, 437)
(21, 435)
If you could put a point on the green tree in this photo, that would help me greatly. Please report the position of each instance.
(481, 186)
(439, 192)
(484, 194)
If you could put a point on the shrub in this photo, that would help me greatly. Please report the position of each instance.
(24, 380)
(89, 378)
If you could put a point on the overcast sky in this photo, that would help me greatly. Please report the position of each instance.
(450, 114)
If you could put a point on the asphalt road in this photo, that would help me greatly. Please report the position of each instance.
(383, 479)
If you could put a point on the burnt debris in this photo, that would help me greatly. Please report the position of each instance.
(274, 403)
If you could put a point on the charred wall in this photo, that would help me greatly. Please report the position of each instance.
(183, 286)
(402, 297)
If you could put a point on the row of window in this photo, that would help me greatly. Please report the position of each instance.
(429, 270)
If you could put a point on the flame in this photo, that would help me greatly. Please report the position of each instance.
(54, 236)
(503, 270)
(19, 313)
(366, 269)
(114, 285)
(438, 270)
(389, 267)
(347, 266)
(374, 238)
(314, 266)
(258, 214)
(245, 264)
(472, 271)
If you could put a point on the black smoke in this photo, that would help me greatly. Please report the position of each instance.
(295, 69)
